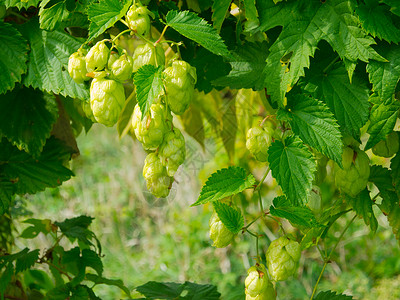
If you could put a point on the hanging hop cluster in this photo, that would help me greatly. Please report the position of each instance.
(257, 284)
(109, 70)
(157, 180)
(138, 18)
(219, 234)
(388, 147)
(353, 178)
(282, 258)
(258, 140)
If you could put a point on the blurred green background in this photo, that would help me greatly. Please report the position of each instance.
(147, 239)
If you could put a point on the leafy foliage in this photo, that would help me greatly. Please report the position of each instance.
(224, 183)
(328, 295)
(230, 216)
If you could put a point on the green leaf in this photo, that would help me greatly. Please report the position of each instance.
(26, 261)
(27, 118)
(92, 259)
(104, 14)
(112, 282)
(382, 178)
(13, 56)
(328, 295)
(48, 61)
(385, 75)
(229, 126)
(376, 20)
(21, 4)
(124, 121)
(197, 29)
(230, 216)
(315, 124)
(312, 237)
(39, 226)
(382, 121)
(149, 85)
(251, 15)
(52, 15)
(395, 6)
(224, 183)
(7, 191)
(77, 228)
(394, 220)
(348, 101)
(30, 175)
(362, 205)
(60, 292)
(219, 8)
(332, 21)
(299, 215)
(192, 122)
(171, 290)
(6, 277)
(272, 15)
(293, 166)
(247, 62)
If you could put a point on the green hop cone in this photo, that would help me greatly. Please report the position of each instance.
(148, 55)
(107, 98)
(151, 130)
(258, 141)
(282, 258)
(219, 234)
(387, 147)
(120, 66)
(87, 110)
(138, 19)
(97, 57)
(353, 178)
(77, 66)
(179, 81)
(157, 180)
(257, 283)
(172, 151)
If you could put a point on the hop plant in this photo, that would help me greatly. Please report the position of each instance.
(151, 130)
(179, 81)
(172, 151)
(282, 258)
(87, 110)
(219, 234)
(77, 66)
(148, 54)
(257, 283)
(138, 18)
(107, 98)
(387, 147)
(353, 178)
(257, 142)
(97, 57)
(157, 180)
(120, 66)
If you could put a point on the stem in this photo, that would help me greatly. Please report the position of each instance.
(260, 201)
(161, 36)
(331, 64)
(330, 254)
(59, 270)
(119, 34)
(18, 15)
(256, 236)
(251, 223)
(262, 179)
(124, 22)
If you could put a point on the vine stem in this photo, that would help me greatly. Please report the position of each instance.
(256, 236)
(161, 36)
(330, 65)
(262, 179)
(119, 34)
(329, 256)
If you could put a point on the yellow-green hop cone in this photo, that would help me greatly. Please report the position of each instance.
(97, 57)
(172, 151)
(148, 55)
(157, 180)
(151, 130)
(387, 147)
(77, 66)
(138, 19)
(107, 98)
(219, 234)
(179, 80)
(87, 110)
(258, 141)
(120, 67)
(282, 258)
(353, 178)
(257, 283)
